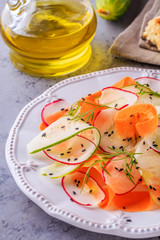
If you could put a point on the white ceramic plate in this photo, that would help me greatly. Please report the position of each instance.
(48, 194)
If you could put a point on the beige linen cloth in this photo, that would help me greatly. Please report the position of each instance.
(127, 43)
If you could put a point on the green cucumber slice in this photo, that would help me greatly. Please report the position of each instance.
(149, 166)
(57, 170)
(60, 131)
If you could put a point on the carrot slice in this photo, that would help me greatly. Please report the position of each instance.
(124, 82)
(42, 126)
(137, 120)
(87, 106)
(132, 201)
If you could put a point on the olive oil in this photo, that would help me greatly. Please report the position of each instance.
(49, 38)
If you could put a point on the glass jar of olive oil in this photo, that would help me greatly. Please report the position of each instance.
(48, 37)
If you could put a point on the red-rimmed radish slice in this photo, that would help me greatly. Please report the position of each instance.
(152, 83)
(117, 98)
(154, 140)
(146, 95)
(57, 170)
(90, 195)
(104, 122)
(60, 131)
(117, 179)
(73, 151)
(54, 107)
(149, 166)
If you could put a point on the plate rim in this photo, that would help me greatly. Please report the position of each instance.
(118, 226)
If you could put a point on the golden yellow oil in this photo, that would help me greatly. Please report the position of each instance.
(49, 38)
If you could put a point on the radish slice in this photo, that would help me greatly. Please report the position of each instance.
(109, 136)
(57, 170)
(52, 108)
(117, 98)
(152, 83)
(154, 140)
(149, 166)
(61, 130)
(118, 181)
(91, 195)
(146, 95)
(72, 151)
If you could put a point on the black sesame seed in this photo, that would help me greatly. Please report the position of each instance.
(82, 119)
(83, 98)
(75, 180)
(154, 189)
(43, 135)
(105, 132)
(150, 187)
(121, 169)
(75, 159)
(74, 192)
(68, 119)
(62, 109)
(76, 128)
(116, 105)
(116, 168)
(61, 154)
(130, 123)
(83, 150)
(90, 191)
(143, 143)
(82, 145)
(89, 94)
(112, 132)
(71, 199)
(139, 136)
(131, 115)
(151, 94)
(109, 135)
(140, 180)
(124, 140)
(147, 85)
(137, 167)
(135, 86)
(87, 122)
(124, 208)
(155, 145)
(150, 97)
(63, 127)
(120, 147)
(68, 152)
(158, 198)
(50, 174)
(66, 110)
(78, 181)
(48, 150)
(77, 185)
(113, 147)
(129, 220)
(70, 148)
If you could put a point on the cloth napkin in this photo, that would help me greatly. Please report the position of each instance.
(152, 13)
(127, 43)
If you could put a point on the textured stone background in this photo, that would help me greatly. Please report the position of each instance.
(20, 218)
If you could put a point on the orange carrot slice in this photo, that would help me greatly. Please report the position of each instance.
(124, 82)
(137, 120)
(132, 201)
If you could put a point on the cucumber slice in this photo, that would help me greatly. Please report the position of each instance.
(152, 83)
(117, 98)
(109, 136)
(60, 131)
(57, 170)
(154, 140)
(149, 166)
(90, 195)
